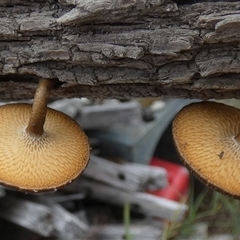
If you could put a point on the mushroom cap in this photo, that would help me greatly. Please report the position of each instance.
(207, 137)
(40, 163)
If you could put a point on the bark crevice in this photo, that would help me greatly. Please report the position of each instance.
(120, 49)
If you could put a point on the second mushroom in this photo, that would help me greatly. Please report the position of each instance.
(207, 137)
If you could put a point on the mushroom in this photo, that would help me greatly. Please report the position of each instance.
(41, 149)
(207, 137)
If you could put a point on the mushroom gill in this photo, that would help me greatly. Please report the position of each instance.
(41, 149)
(207, 137)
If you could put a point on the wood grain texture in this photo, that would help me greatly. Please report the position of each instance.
(120, 49)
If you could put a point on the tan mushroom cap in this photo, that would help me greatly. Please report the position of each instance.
(40, 163)
(207, 137)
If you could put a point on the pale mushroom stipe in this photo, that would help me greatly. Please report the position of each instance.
(41, 149)
(207, 137)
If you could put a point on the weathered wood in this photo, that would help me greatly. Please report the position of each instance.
(120, 49)
(58, 197)
(146, 203)
(44, 219)
(30, 215)
(131, 177)
(102, 115)
(118, 232)
(66, 224)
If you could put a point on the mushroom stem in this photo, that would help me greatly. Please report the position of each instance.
(39, 107)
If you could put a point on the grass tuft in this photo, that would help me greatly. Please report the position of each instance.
(219, 212)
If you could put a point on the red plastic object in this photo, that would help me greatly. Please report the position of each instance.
(178, 179)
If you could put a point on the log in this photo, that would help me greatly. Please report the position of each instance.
(129, 176)
(107, 112)
(66, 224)
(145, 203)
(30, 215)
(117, 232)
(44, 219)
(120, 49)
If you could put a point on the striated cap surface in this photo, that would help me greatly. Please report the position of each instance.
(40, 163)
(207, 137)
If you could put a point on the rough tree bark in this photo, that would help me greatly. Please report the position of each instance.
(120, 48)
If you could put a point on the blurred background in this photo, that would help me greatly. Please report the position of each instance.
(135, 186)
